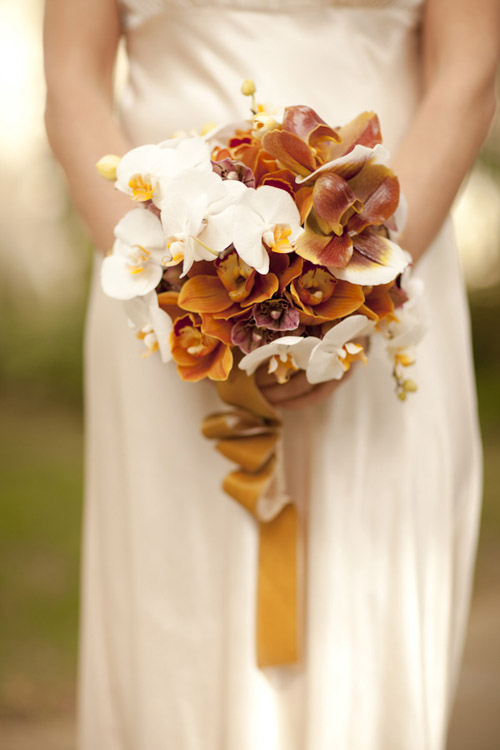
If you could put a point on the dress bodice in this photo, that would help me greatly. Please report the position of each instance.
(136, 11)
(188, 59)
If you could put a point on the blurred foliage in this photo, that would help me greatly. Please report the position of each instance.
(40, 507)
(41, 343)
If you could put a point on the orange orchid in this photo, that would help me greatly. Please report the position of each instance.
(345, 188)
(198, 354)
(232, 289)
(303, 141)
(320, 297)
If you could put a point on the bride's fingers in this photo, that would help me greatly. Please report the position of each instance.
(316, 395)
(263, 378)
(296, 387)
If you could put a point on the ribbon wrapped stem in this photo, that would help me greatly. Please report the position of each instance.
(250, 436)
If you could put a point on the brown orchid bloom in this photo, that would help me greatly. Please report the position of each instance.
(320, 297)
(199, 354)
(232, 287)
(345, 189)
(302, 142)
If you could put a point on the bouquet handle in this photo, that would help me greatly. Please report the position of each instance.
(250, 435)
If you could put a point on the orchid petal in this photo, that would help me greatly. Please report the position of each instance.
(329, 250)
(332, 199)
(363, 130)
(325, 360)
(350, 164)
(290, 151)
(140, 227)
(375, 260)
(118, 281)
(307, 124)
(298, 346)
(204, 294)
(378, 188)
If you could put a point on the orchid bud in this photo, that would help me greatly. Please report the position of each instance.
(107, 166)
(410, 386)
(248, 87)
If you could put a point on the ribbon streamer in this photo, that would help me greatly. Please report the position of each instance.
(250, 435)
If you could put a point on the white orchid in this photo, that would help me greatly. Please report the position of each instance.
(197, 216)
(292, 351)
(135, 266)
(192, 152)
(331, 357)
(144, 172)
(354, 159)
(267, 214)
(152, 325)
(408, 330)
(322, 359)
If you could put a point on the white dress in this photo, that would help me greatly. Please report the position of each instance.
(388, 492)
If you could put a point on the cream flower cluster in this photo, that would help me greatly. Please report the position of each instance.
(189, 213)
(322, 359)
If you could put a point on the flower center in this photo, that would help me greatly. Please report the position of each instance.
(277, 238)
(196, 343)
(150, 339)
(138, 258)
(142, 189)
(315, 286)
(235, 274)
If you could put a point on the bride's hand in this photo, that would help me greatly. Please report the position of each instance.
(298, 392)
(295, 394)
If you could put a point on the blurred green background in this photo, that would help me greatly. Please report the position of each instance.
(45, 269)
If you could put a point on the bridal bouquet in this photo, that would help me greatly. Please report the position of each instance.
(267, 241)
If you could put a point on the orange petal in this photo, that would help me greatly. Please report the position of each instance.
(308, 125)
(328, 250)
(215, 366)
(204, 294)
(379, 300)
(345, 300)
(236, 276)
(202, 268)
(264, 164)
(332, 198)
(235, 309)
(297, 302)
(264, 288)
(219, 329)
(168, 303)
(222, 364)
(290, 151)
(283, 178)
(378, 187)
(294, 269)
(304, 202)
(364, 129)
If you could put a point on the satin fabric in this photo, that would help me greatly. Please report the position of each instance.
(388, 493)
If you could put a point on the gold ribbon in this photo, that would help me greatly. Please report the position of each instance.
(250, 435)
